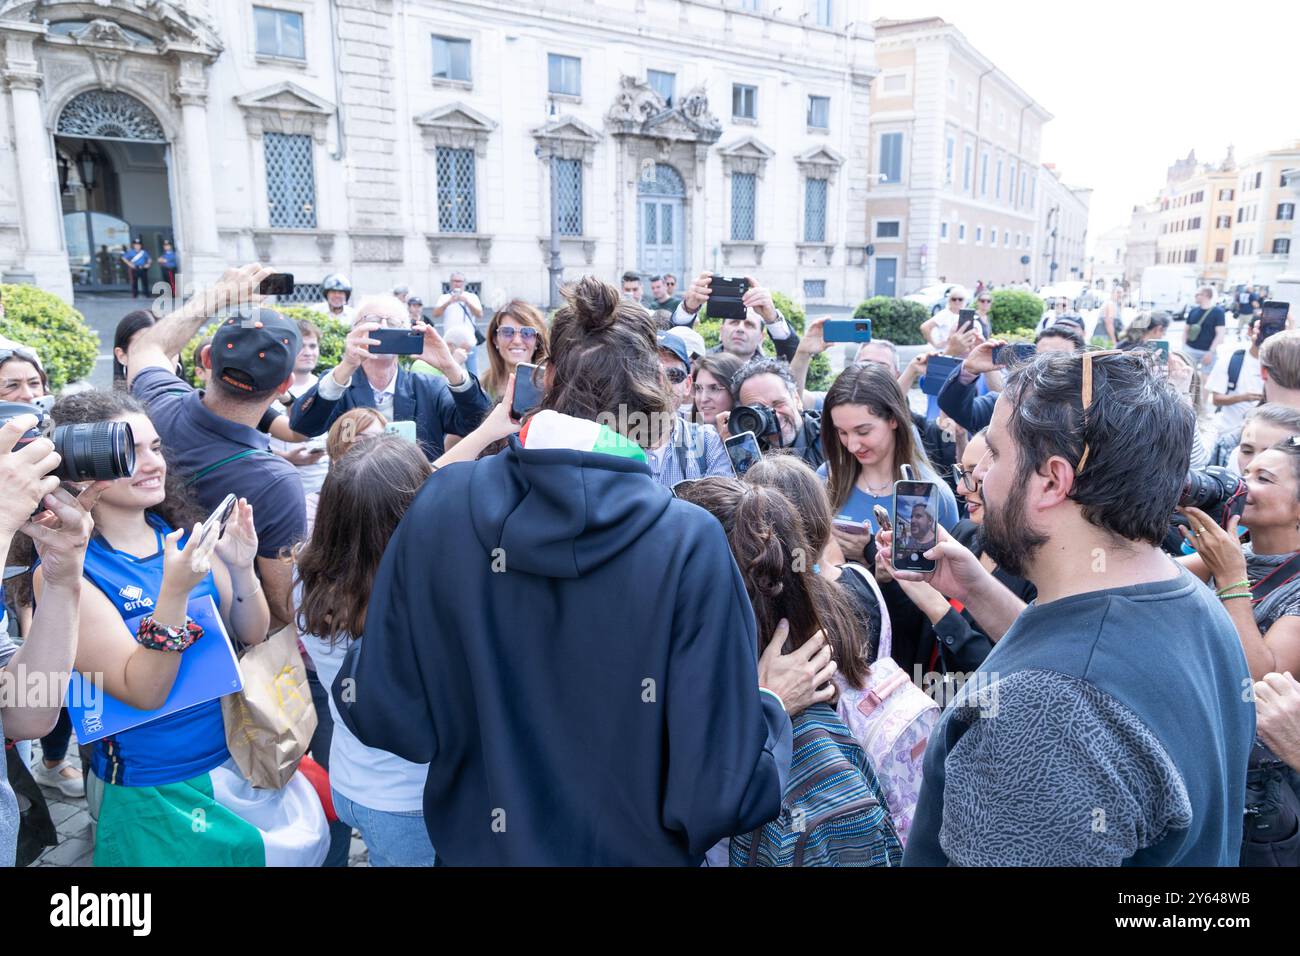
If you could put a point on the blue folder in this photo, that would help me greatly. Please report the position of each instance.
(209, 669)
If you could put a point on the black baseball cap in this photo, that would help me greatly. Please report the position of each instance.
(254, 350)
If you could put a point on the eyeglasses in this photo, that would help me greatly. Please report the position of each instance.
(1087, 397)
(19, 353)
(712, 390)
(676, 375)
(966, 476)
(387, 321)
(506, 333)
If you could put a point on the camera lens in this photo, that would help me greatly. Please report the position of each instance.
(1215, 490)
(94, 451)
(750, 418)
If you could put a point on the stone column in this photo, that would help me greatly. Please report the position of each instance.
(201, 260)
(1287, 286)
(41, 215)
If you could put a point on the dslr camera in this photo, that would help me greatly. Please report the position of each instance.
(759, 419)
(1217, 491)
(90, 451)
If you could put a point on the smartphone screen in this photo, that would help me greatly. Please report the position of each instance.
(397, 342)
(1275, 310)
(277, 283)
(529, 389)
(965, 319)
(916, 524)
(743, 451)
(1160, 352)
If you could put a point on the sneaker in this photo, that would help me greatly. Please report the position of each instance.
(65, 778)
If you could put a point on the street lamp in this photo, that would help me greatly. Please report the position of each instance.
(63, 173)
(555, 265)
(88, 167)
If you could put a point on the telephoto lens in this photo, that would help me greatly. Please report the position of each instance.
(94, 451)
(753, 418)
(1217, 491)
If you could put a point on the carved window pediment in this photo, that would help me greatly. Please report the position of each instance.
(820, 162)
(566, 138)
(639, 110)
(747, 155)
(456, 126)
(285, 108)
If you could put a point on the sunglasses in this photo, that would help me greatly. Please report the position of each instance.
(507, 332)
(19, 353)
(986, 301)
(676, 375)
(956, 298)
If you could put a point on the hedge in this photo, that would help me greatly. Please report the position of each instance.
(1013, 309)
(57, 332)
(333, 332)
(898, 320)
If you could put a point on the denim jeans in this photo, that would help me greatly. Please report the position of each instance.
(54, 745)
(392, 839)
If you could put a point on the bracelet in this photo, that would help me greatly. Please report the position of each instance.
(240, 600)
(1231, 587)
(1239, 594)
(161, 637)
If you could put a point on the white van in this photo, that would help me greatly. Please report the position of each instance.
(1170, 289)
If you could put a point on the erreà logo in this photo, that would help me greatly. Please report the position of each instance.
(135, 598)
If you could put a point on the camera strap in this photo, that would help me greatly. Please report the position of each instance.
(1282, 574)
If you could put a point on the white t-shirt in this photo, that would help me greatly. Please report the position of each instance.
(349, 313)
(1230, 418)
(945, 320)
(313, 476)
(373, 778)
(458, 313)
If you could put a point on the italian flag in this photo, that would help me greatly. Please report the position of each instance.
(551, 429)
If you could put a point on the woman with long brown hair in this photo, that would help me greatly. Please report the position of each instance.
(517, 333)
(502, 634)
(867, 436)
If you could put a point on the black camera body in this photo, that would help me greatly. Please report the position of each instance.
(89, 451)
(1217, 491)
(759, 419)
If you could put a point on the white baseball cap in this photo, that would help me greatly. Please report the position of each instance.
(693, 340)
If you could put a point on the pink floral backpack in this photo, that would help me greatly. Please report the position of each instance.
(891, 718)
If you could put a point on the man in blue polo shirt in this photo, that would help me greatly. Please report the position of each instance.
(212, 436)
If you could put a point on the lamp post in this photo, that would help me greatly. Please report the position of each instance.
(556, 266)
(87, 167)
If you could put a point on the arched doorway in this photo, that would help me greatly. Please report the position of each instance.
(661, 232)
(114, 186)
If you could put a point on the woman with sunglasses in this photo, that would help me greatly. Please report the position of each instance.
(927, 630)
(517, 333)
(938, 328)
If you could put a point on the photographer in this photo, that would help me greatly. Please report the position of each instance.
(60, 533)
(1061, 511)
(767, 402)
(743, 338)
(439, 406)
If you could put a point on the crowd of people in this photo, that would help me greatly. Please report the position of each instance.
(1090, 664)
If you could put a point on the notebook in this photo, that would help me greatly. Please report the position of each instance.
(209, 669)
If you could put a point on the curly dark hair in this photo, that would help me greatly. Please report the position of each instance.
(762, 366)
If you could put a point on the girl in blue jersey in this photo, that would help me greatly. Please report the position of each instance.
(167, 792)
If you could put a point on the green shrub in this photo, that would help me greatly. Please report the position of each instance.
(333, 332)
(1018, 335)
(895, 319)
(793, 312)
(57, 332)
(1014, 309)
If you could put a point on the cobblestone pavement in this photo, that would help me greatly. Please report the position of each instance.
(77, 835)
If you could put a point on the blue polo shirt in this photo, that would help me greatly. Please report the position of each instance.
(198, 442)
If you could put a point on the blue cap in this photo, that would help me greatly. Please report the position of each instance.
(674, 344)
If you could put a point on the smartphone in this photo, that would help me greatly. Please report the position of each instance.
(937, 370)
(882, 518)
(315, 444)
(397, 342)
(1275, 310)
(847, 525)
(1015, 353)
(277, 283)
(965, 319)
(743, 451)
(403, 430)
(529, 389)
(1160, 353)
(725, 295)
(916, 525)
(847, 330)
(1272, 320)
(204, 541)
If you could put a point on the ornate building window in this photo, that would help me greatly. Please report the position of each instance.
(743, 193)
(290, 181)
(101, 114)
(568, 182)
(457, 209)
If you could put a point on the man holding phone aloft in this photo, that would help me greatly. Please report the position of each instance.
(1137, 781)
(440, 405)
(743, 338)
(459, 307)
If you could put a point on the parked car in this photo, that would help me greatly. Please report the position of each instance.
(933, 297)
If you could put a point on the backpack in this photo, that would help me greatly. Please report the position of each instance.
(891, 719)
(1234, 369)
(832, 813)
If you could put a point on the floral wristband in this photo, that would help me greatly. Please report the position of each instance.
(160, 637)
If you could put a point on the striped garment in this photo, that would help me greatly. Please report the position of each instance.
(550, 429)
(833, 812)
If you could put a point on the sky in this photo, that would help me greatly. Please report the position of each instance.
(1135, 84)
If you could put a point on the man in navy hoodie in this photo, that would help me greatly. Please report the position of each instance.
(568, 646)
(1111, 722)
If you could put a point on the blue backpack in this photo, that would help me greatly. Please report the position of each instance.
(833, 812)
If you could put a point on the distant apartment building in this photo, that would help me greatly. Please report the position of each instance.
(1059, 254)
(1264, 217)
(1142, 239)
(1107, 262)
(1196, 211)
(954, 190)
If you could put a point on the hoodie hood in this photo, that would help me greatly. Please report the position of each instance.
(560, 512)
